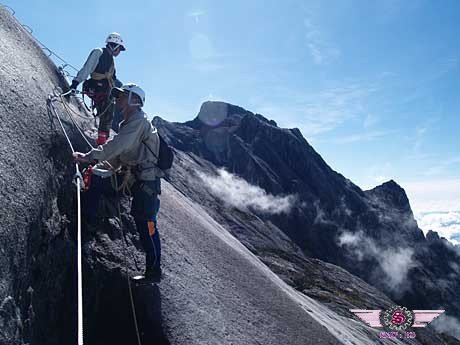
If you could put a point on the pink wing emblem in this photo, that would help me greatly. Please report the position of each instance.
(424, 317)
(371, 317)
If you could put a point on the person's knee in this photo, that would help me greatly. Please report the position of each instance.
(152, 226)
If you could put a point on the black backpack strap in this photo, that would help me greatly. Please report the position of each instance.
(153, 153)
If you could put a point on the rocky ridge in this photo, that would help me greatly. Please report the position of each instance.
(215, 290)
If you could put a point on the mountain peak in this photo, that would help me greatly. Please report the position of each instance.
(392, 194)
(214, 114)
(218, 114)
(432, 236)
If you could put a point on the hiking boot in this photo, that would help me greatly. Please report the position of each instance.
(153, 274)
(90, 227)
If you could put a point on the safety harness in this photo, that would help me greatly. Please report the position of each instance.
(98, 86)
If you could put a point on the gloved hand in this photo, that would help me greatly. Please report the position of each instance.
(74, 85)
(80, 157)
(102, 138)
(71, 89)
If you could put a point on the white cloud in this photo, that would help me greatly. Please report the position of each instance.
(380, 179)
(445, 223)
(204, 57)
(436, 206)
(442, 166)
(370, 120)
(433, 195)
(378, 173)
(447, 324)
(201, 47)
(320, 112)
(196, 15)
(238, 193)
(365, 136)
(321, 217)
(421, 131)
(395, 262)
(321, 50)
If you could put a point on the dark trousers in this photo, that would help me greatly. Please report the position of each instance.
(144, 209)
(106, 108)
(99, 186)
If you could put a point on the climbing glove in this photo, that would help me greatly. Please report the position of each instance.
(74, 85)
(102, 137)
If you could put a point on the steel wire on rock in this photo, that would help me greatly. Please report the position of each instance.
(78, 181)
(125, 242)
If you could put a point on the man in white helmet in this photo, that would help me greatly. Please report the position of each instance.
(101, 69)
(135, 149)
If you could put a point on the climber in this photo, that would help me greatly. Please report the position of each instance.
(134, 150)
(101, 67)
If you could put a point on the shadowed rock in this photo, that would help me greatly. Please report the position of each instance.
(217, 289)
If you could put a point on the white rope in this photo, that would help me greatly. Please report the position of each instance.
(78, 180)
(79, 268)
(69, 112)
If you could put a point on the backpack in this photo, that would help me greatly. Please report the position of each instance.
(165, 154)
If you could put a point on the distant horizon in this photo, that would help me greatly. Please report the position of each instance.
(371, 86)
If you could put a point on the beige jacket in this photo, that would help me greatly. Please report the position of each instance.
(129, 148)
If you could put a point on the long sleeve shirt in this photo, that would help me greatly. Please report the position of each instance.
(136, 145)
(90, 65)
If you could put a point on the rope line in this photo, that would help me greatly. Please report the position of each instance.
(79, 256)
(78, 180)
(105, 110)
(50, 106)
(125, 249)
(72, 93)
(79, 266)
(69, 112)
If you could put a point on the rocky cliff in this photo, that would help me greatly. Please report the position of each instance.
(372, 234)
(220, 256)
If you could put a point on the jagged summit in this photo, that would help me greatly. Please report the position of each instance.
(217, 114)
(331, 218)
(215, 291)
(392, 194)
(432, 236)
(224, 234)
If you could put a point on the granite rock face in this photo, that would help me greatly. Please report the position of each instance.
(222, 263)
(372, 234)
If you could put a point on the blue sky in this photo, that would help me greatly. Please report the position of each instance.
(373, 85)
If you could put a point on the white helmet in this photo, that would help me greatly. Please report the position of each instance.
(115, 38)
(131, 88)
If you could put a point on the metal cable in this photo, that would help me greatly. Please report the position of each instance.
(125, 249)
(125, 242)
(71, 93)
(73, 121)
(53, 110)
(43, 46)
(69, 111)
(78, 181)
